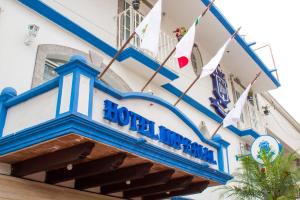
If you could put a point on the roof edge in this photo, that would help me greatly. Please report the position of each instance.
(215, 11)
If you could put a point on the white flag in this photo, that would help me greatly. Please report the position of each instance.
(149, 29)
(212, 65)
(185, 46)
(235, 114)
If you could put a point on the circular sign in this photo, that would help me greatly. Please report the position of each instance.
(266, 143)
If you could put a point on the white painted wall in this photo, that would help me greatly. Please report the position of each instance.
(280, 126)
(83, 95)
(151, 111)
(31, 112)
(66, 93)
(17, 62)
(98, 17)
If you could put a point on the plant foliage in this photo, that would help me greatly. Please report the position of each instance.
(272, 180)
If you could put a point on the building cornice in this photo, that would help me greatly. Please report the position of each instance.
(74, 28)
(281, 110)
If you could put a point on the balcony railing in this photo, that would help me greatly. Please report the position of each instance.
(128, 20)
(252, 118)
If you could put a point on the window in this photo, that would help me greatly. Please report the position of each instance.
(50, 65)
(126, 22)
(50, 56)
(237, 94)
(245, 148)
(129, 19)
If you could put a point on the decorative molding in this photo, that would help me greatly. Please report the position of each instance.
(82, 33)
(192, 102)
(81, 125)
(69, 25)
(61, 52)
(241, 41)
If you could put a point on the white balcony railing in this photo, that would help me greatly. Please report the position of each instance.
(128, 20)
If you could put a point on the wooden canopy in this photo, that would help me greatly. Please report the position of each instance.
(77, 162)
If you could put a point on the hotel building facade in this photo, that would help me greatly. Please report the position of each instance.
(66, 134)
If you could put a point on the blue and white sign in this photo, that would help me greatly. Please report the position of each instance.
(265, 143)
(137, 123)
(220, 91)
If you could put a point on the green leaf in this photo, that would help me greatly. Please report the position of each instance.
(272, 180)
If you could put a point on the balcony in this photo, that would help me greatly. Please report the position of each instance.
(211, 34)
(128, 20)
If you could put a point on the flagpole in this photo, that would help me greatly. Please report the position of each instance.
(197, 78)
(157, 70)
(217, 129)
(117, 55)
(170, 54)
(183, 94)
(252, 82)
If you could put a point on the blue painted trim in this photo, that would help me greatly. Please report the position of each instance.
(180, 198)
(220, 159)
(148, 97)
(251, 44)
(45, 87)
(74, 28)
(64, 22)
(241, 41)
(85, 127)
(223, 142)
(83, 67)
(273, 70)
(107, 89)
(91, 96)
(6, 94)
(3, 112)
(76, 68)
(192, 102)
(142, 58)
(75, 91)
(77, 30)
(59, 95)
(217, 138)
(69, 25)
(227, 161)
(249, 132)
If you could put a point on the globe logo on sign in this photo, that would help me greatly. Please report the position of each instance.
(265, 146)
(265, 143)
